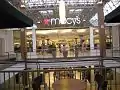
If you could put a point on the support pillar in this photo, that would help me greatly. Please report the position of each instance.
(115, 37)
(115, 41)
(33, 54)
(34, 39)
(102, 37)
(24, 57)
(23, 44)
(91, 40)
(92, 77)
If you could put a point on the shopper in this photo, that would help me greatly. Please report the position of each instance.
(83, 73)
(104, 86)
(76, 50)
(37, 82)
(53, 48)
(100, 80)
(88, 74)
(65, 51)
(83, 46)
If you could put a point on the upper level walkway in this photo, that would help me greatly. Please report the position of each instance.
(62, 63)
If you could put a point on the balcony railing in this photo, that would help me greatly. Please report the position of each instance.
(57, 53)
(44, 78)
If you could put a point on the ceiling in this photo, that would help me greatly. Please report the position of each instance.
(39, 9)
(114, 16)
(86, 10)
(10, 17)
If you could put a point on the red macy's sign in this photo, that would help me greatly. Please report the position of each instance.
(54, 21)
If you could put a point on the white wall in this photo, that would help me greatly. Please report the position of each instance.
(8, 40)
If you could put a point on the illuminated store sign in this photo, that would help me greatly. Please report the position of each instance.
(54, 21)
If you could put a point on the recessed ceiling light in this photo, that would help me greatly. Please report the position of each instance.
(38, 22)
(22, 6)
(84, 20)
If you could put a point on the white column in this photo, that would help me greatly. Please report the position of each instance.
(92, 51)
(62, 12)
(34, 39)
(91, 38)
(92, 77)
(115, 40)
(33, 54)
(115, 37)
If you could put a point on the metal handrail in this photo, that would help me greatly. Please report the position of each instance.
(60, 69)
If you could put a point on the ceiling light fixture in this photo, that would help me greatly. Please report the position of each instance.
(81, 30)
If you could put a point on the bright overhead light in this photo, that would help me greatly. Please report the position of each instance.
(38, 22)
(92, 66)
(97, 30)
(81, 30)
(78, 10)
(99, 2)
(84, 20)
(43, 11)
(29, 33)
(46, 32)
(66, 31)
(71, 10)
(42, 32)
(22, 6)
(28, 27)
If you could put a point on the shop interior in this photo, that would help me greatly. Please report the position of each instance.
(60, 37)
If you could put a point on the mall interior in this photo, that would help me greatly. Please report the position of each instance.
(59, 44)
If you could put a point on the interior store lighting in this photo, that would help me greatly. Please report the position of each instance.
(66, 31)
(99, 2)
(92, 66)
(62, 12)
(22, 6)
(16, 43)
(29, 33)
(81, 30)
(97, 30)
(71, 10)
(38, 22)
(43, 32)
(84, 20)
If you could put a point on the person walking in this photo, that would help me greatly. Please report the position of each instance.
(65, 51)
(37, 82)
(76, 50)
(99, 80)
(53, 50)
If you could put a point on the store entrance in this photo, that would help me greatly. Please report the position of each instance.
(74, 41)
(64, 37)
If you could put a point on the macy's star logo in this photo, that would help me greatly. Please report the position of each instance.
(46, 21)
